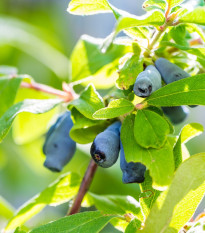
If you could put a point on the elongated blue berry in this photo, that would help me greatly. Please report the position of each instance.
(59, 148)
(176, 114)
(147, 82)
(106, 146)
(169, 71)
(132, 172)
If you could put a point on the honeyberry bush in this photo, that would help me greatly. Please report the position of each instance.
(174, 181)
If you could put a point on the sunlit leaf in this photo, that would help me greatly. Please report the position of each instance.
(61, 191)
(88, 102)
(85, 222)
(114, 109)
(188, 91)
(184, 193)
(29, 105)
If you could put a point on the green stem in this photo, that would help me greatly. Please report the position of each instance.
(156, 37)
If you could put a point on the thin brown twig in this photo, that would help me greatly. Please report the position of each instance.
(67, 96)
(85, 184)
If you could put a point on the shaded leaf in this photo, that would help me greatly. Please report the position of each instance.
(85, 222)
(29, 105)
(61, 191)
(114, 109)
(85, 130)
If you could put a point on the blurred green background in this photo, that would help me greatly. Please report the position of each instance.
(37, 37)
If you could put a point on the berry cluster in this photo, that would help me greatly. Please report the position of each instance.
(59, 148)
(149, 81)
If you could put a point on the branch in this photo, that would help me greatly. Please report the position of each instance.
(85, 184)
(66, 95)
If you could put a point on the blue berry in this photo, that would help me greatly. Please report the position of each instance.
(132, 172)
(106, 146)
(59, 148)
(176, 114)
(169, 71)
(147, 82)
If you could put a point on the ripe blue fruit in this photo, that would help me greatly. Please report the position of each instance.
(106, 146)
(147, 82)
(176, 114)
(59, 148)
(132, 172)
(169, 71)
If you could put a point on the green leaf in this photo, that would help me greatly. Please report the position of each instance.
(129, 70)
(179, 35)
(133, 226)
(6, 210)
(184, 193)
(85, 222)
(148, 195)
(199, 52)
(88, 102)
(155, 19)
(187, 133)
(19, 230)
(114, 109)
(61, 191)
(8, 90)
(87, 58)
(88, 7)
(173, 3)
(129, 22)
(26, 122)
(8, 70)
(160, 162)
(29, 105)
(154, 5)
(85, 130)
(150, 129)
(116, 204)
(197, 16)
(188, 91)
